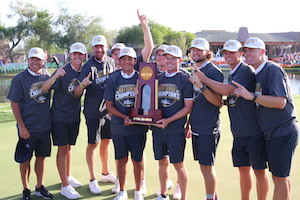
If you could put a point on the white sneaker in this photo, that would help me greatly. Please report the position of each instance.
(109, 178)
(122, 195)
(138, 195)
(170, 185)
(69, 192)
(94, 187)
(177, 192)
(159, 197)
(143, 187)
(116, 189)
(73, 182)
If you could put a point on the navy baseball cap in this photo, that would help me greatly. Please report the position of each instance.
(23, 151)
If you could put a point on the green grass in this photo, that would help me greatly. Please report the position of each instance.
(228, 177)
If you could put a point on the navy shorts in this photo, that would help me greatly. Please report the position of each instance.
(98, 129)
(280, 152)
(135, 144)
(65, 133)
(205, 147)
(172, 145)
(249, 151)
(40, 143)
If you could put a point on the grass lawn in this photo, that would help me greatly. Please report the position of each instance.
(228, 178)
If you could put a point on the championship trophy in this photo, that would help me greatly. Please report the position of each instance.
(145, 110)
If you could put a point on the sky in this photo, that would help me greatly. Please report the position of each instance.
(259, 16)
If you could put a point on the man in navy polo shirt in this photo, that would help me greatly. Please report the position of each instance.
(276, 114)
(248, 146)
(175, 98)
(92, 78)
(31, 109)
(65, 110)
(127, 137)
(204, 119)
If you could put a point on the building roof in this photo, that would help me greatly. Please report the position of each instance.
(221, 36)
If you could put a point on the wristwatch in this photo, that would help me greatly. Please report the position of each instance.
(203, 88)
(254, 97)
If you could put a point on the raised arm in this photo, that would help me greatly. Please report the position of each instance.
(58, 73)
(148, 41)
(79, 88)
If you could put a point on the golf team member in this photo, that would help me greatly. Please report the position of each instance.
(127, 137)
(204, 118)
(142, 57)
(248, 145)
(31, 109)
(275, 112)
(92, 78)
(65, 116)
(175, 96)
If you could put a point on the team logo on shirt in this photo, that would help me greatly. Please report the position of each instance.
(168, 94)
(125, 95)
(35, 92)
(100, 77)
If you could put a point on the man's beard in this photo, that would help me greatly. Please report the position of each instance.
(199, 60)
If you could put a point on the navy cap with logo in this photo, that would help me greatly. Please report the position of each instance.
(23, 151)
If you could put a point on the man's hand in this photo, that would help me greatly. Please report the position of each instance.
(86, 81)
(162, 123)
(60, 72)
(127, 121)
(241, 91)
(195, 80)
(143, 18)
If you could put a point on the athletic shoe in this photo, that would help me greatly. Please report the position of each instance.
(26, 194)
(122, 195)
(116, 189)
(159, 197)
(170, 185)
(109, 178)
(177, 192)
(94, 187)
(143, 187)
(69, 192)
(73, 182)
(43, 192)
(138, 195)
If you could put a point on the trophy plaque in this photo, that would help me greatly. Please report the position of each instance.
(145, 110)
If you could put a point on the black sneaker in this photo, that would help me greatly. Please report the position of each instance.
(26, 194)
(43, 192)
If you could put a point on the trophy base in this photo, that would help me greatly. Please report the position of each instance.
(150, 119)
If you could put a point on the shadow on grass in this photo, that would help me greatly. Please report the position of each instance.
(83, 191)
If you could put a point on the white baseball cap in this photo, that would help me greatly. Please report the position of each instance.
(174, 51)
(99, 40)
(162, 47)
(36, 52)
(231, 45)
(118, 46)
(200, 43)
(254, 43)
(78, 47)
(127, 51)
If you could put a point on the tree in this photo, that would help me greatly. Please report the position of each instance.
(77, 28)
(28, 17)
